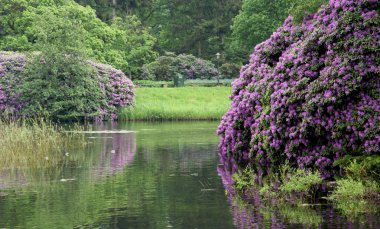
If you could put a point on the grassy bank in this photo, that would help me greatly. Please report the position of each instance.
(36, 144)
(187, 103)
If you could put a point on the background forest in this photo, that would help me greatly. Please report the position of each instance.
(129, 34)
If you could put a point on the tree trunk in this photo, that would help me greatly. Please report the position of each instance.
(199, 48)
(114, 3)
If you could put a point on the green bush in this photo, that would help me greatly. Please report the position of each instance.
(59, 82)
(63, 87)
(230, 70)
(125, 44)
(170, 65)
(359, 167)
(301, 181)
(244, 180)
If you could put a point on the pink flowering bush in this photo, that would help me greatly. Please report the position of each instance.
(116, 89)
(166, 67)
(11, 64)
(310, 93)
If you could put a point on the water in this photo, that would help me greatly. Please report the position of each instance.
(160, 175)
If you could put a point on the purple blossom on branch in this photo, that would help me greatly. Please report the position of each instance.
(310, 93)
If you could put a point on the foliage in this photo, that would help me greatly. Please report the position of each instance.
(125, 44)
(301, 181)
(310, 93)
(11, 65)
(198, 27)
(349, 188)
(208, 83)
(258, 19)
(253, 211)
(352, 196)
(61, 86)
(187, 103)
(34, 144)
(229, 70)
(300, 9)
(356, 210)
(166, 67)
(116, 87)
(153, 83)
(59, 82)
(244, 180)
(360, 166)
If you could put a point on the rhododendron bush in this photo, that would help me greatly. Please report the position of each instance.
(11, 64)
(189, 66)
(115, 90)
(310, 93)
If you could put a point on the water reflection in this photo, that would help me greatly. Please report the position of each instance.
(117, 152)
(163, 175)
(254, 213)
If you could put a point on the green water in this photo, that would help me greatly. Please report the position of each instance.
(162, 176)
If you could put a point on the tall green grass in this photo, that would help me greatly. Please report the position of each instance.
(34, 144)
(186, 103)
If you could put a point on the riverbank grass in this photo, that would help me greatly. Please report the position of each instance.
(34, 144)
(186, 103)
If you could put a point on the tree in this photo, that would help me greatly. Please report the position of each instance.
(124, 47)
(258, 19)
(59, 82)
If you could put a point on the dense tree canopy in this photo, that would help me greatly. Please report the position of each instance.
(125, 43)
(258, 19)
(130, 33)
(197, 27)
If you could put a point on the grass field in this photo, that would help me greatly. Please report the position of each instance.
(186, 103)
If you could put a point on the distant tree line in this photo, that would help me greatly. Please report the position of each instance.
(130, 33)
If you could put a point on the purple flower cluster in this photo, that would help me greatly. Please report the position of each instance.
(117, 88)
(11, 64)
(311, 93)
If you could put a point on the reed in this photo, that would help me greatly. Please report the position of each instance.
(34, 144)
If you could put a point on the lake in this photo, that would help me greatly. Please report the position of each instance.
(148, 175)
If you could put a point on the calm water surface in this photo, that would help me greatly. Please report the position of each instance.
(160, 175)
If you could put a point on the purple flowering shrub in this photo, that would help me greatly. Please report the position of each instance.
(189, 66)
(310, 93)
(118, 90)
(11, 64)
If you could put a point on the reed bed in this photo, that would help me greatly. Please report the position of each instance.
(35, 144)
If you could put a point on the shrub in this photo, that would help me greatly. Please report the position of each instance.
(301, 181)
(229, 70)
(166, 67)
(125, 43)
(243, 180)
(62, 87)
(349, 189)
(11, 64)
(310, 94)
(118, 89)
